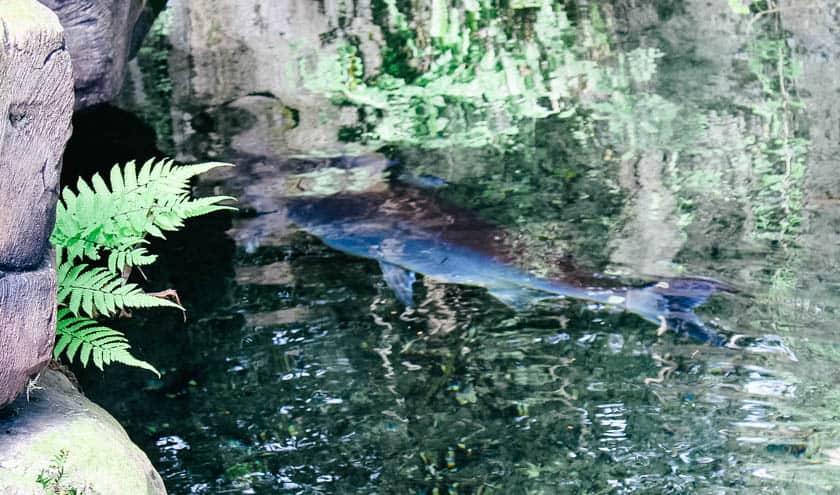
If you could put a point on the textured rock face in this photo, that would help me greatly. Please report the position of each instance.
(27, 327)
(100, 456)
(235, 66)
(815, 29)
(101, 36)
(36, 104)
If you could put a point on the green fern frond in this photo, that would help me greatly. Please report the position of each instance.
(129, 256)
(112, 220)
(99, 292)
(137, 203)
(202, 206)
(90, 341)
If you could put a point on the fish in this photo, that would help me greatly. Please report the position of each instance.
(411, 230)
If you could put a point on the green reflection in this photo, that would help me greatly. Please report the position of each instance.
(470, 76)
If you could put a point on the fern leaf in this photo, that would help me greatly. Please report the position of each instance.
(129, 257)
(97, 291)
(116, 178)
(148, 201)
(203, 206)
(112, 219)
(88, 340)
(129, 175)
(99, 186)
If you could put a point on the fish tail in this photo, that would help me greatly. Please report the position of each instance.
(674, 301)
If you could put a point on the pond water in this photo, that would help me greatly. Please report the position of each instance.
(633, 140)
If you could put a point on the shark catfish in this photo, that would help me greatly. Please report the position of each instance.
(409, 230)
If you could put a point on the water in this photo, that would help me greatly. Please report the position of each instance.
(634, 141)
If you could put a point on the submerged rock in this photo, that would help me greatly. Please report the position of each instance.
(98, 457)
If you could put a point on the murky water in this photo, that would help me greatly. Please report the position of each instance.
(635, 139)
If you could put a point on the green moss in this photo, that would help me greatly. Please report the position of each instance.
(96, 457)
(11, 481)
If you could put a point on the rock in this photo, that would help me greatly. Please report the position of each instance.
(99, 454)
(234, 69)
(27, 327)
(102, 35)
(816, 41)
(36, 104)
(650, 238)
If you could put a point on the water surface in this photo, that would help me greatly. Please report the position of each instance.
(639, 141)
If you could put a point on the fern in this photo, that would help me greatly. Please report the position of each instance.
(113, 221)
(138, 203)
(128, 256)
(86, 339)
(99, 292)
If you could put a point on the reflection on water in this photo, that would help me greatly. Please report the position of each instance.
(640, 139)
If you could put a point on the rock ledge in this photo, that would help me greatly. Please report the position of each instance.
(58, 417)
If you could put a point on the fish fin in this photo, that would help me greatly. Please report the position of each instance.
(519, 298)
(400, 281)
(674, 300)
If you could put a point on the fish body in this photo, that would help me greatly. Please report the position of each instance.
(408, 230)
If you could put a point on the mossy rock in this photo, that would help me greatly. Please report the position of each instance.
(100, 458)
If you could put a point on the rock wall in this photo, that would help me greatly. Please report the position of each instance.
(814, 26)
(235, 74)
(703, 41)
(27, 326)
(36, 104)
(102, 35)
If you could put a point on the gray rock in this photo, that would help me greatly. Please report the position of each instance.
(237, 63)
(27, 327)
(101, 458)
(36, 104)
(102, 35)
